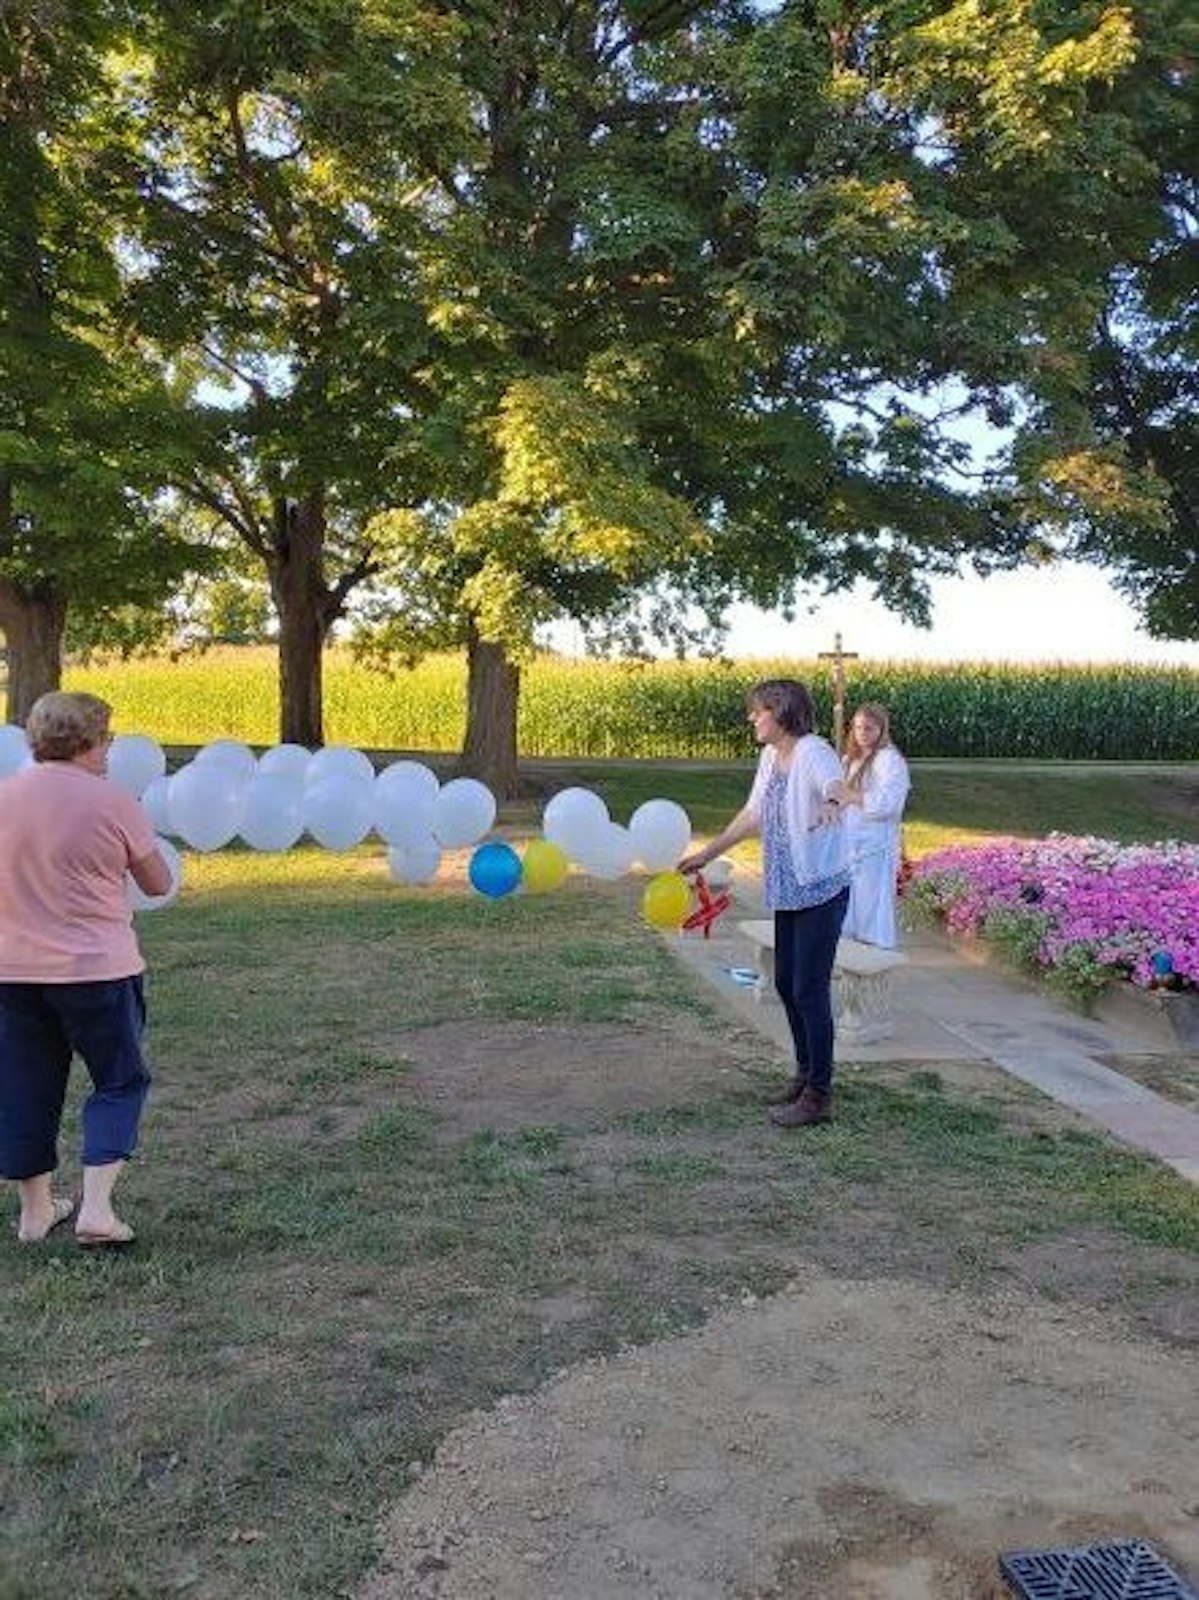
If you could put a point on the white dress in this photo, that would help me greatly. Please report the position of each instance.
(873, 834)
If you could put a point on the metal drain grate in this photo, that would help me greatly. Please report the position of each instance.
(1129, 1570)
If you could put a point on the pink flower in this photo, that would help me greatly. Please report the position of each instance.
(1110, 905)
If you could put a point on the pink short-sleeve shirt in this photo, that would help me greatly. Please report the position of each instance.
(67, 838)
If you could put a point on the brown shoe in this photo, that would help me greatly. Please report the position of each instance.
(789, 1093)
(813, 1106)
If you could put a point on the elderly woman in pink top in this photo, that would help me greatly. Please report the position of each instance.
(70, 967)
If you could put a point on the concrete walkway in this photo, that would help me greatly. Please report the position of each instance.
(948, 1009)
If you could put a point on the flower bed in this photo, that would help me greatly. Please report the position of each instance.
(1083, 913)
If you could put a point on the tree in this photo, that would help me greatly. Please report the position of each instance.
(614, 304)
(1142, 402)
(710, 297)
(1146, 401)
(228, 610)
(275, 165)
(82, 427)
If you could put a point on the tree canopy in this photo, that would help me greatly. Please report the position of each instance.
(715, 293)
(487, 315)
(1141, 514)
(273, 163)
(85, 426)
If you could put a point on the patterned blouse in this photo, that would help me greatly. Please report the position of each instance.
(781, 889)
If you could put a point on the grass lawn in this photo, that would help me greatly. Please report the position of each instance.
(953, 801)
(410, 1151)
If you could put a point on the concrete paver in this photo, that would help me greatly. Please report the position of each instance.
(948, 1009)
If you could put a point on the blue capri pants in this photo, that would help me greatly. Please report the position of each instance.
(41, 1026)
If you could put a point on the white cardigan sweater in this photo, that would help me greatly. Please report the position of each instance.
(819, 850)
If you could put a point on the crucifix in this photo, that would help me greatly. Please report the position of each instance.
(838, 657)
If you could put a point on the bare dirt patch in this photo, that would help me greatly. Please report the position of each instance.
(506, 1075)
(869, 1434)
(842, 1441)
(1091, 1269)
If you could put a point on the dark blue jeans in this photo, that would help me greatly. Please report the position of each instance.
(805, 947)
(41, 1026)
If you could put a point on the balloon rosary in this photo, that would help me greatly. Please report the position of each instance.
(710, 907)
(334, 796)
(668, 903)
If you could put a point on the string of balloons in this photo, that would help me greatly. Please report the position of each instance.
(335, 797)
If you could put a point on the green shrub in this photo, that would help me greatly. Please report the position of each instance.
(1016, 932)
(1078, 976)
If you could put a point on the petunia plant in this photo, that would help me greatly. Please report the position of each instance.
(1083, 912)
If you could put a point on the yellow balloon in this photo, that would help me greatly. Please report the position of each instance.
(667, 900)
(545, 866)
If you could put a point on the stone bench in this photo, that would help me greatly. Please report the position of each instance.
(861, 982)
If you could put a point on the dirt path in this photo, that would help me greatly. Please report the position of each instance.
(844, 1441)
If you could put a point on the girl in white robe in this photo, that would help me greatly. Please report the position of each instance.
(872, 796)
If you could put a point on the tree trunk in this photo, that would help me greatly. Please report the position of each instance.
(306, 611)
(33, 622)
(301, 652)
(492, 694)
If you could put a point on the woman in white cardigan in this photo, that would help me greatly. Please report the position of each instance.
(872, 794)
(805, 879)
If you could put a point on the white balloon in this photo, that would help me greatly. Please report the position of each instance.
(661, 832)
(134, 761)
(272, 818)
(338, 811)
(572, 802)
(138, 899)
(205, 804)
(156, 803)
(229, 753)
(288, 761)
(609, 854)
(403, 810)
(575, 820)
(718, 874)
(14, 749)
(463, 812)
(413, 775)
(414, 863)
(339, 761)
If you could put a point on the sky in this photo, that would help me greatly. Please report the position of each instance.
(1066, 612)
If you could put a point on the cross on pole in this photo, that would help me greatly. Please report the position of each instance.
(838, 657)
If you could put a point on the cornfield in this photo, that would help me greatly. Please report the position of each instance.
(696, 710)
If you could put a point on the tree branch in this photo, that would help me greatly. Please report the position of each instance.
(247, 166)
(365, 567)
(255, 385)
(198, 491)
(210, 221)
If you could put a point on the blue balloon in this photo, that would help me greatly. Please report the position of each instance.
(494, 870)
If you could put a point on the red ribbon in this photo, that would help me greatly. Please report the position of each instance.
(709, 908)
